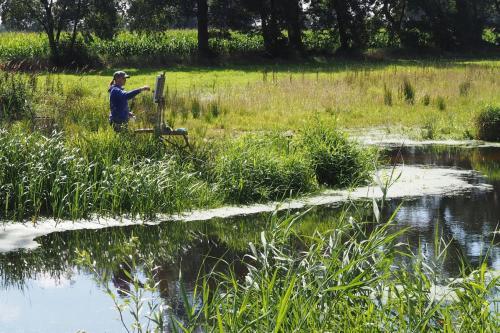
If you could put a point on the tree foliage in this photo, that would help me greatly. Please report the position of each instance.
(358, 24)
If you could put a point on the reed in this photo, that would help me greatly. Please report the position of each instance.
(123, 174)
(339, 279)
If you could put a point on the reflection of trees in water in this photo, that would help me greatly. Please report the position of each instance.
(56, 255)
(467, 221)
(178, 279)
(195, 248)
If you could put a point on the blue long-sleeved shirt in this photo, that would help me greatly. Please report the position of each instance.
(118, 103)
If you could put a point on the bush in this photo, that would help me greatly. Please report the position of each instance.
(387, 96)
(426, 100)
(77, 55)
(464, 88)
(441, 103)
(337, 161)
(488, 123)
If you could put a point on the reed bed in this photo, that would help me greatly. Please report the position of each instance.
(342, 279)
(117, 174)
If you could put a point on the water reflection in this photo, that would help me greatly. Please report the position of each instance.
(466, 222)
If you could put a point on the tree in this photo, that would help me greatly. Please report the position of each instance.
(202, 16)
(152, 15)
(351, 22)
(53, 16)
(452, 23)
(293, 17)
(102, 17)
(393, 13)
(230, 14)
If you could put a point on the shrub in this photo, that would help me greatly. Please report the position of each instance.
(488, 123)
(464, 88)
(336, 161)
(426, 100)
(387, 96)
(78, 54)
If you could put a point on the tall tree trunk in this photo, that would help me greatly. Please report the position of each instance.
(294, 26)
(468, 26)
(394, 15)
(357, 29)
(202, 15)
(439, 23)
(270, 28)
(340, 7)
(49, 29)
(75, 25)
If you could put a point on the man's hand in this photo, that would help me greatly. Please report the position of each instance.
(145, 88)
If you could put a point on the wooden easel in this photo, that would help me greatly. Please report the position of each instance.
(161, 130)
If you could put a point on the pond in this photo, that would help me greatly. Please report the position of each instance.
(46, 290)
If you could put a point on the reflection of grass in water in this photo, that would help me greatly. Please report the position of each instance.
(165, 243)
(488, 163)
(327, 268)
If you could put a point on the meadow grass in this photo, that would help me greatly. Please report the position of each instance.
(402, 96)
(219, 105)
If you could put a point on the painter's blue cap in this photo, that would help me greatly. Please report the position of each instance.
(120, 74)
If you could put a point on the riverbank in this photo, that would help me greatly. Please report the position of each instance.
(406, 182)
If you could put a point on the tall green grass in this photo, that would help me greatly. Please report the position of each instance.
(103, 172)
(337, 162)
(488, 123)
(261, 168)
(16, 96)
(45, 177)
(344, 279)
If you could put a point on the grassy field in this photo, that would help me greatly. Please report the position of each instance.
(236, 117)
(425, 99)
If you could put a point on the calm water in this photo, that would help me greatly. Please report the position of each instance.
(47, 287)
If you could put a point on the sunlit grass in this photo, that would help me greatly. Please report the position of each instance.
(257, 98)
